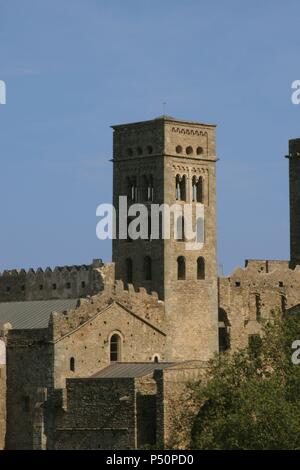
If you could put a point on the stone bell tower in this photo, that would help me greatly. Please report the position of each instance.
(167, 161)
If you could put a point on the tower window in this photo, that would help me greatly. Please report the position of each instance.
(189, 150)
(132, 191)
(72, 364)
(8, 289)
(149, 149)
(129, 276)
(83, 284)
(181, 268)
(68, 285)
(180, 228)
(197, 189)
(41, 287)
(199, 150)
(115, 348)
(178, 149)
(180, 188)
(147, 268)
(139, 151)
(200, 268)
(148, 188)
(54, 286)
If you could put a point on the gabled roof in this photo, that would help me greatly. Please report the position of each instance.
(131, 369)
(32, 314)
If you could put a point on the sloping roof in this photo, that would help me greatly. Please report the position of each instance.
(32, 314)
(131, 369)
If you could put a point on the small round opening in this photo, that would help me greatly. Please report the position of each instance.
(139, 151)
(199, 150)
(189, 150)
(150, 149)
(178, 149)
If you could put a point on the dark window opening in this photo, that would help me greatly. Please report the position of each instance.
(68, 285)
(181, 268)
(72, 364)
(115, 348)
(197, 189)
(189, 150)
(224, 331)
(180, 188)
(200, 268)
(7, 289)
(258, 307)
(132, 191)
(41, 287)
(280, 284)
(54, 286)
(83, 284)
(237, 284)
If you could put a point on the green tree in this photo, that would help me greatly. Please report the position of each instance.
(251, 398)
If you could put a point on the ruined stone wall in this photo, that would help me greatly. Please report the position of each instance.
(99, 414)
(249, 295)
(29, 367)
(60, 283)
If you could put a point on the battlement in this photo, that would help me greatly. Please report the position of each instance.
(61, 282)
(139, 302)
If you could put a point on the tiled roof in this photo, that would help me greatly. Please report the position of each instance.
(131, 369)
(32, 314)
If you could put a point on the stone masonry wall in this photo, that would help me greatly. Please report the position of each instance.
(60, 283)
(251, 293)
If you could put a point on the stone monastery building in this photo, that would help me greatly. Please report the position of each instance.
(98, 356)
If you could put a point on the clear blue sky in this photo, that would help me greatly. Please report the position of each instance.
(73, 68)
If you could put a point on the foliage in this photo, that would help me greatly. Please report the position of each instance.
(251, 398)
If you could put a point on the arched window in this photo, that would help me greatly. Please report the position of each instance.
(180, 228)
(180, 188)
(156, 358)
(200, 268)
(115, 348)
(72, 364)
(197, 189)
(129, 276)
(181, 268)
(132, 188)
(147, 268)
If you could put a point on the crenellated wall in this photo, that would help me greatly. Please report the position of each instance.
(60, 283)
